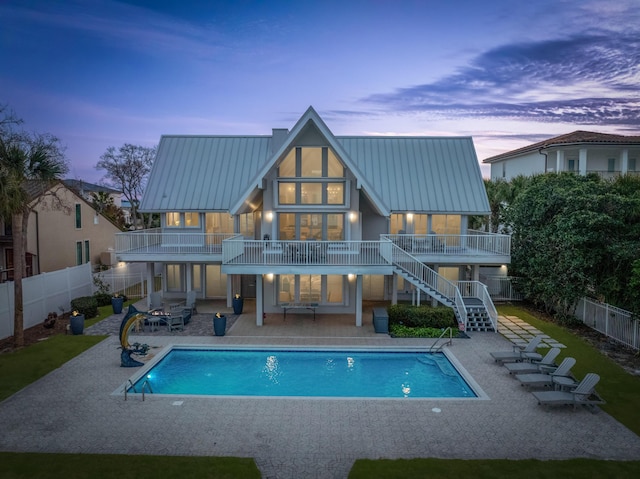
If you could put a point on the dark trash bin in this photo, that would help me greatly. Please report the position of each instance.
(380, 320)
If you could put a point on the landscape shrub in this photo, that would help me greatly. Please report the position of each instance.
(423, 316)
(86, 305)
(103, 299)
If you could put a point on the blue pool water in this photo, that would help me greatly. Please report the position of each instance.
(315, 373)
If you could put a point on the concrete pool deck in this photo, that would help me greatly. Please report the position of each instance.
(73, 410)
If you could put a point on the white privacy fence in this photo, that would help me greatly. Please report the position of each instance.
(43, 294)
(128, 279)
(616, 323)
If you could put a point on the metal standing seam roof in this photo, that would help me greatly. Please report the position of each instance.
(417, 174)
(433, 174)
(202, 173)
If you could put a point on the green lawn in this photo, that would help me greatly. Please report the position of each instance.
(18, 369)
(99, 466)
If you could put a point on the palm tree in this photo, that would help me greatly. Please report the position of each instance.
(29, 165)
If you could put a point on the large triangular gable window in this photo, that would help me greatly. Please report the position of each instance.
(312, 176)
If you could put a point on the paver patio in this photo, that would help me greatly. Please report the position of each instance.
(73, 410)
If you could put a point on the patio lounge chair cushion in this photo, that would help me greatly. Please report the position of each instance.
(519, 353)
(547, 364)
(536, 380)
(583, 394)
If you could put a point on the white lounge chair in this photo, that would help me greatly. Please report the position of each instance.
(546, 364)
(583, 394)
(537, 380)
(519, 353)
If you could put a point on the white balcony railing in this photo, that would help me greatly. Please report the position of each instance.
(472, 244)
(238, 250)
(157, 242)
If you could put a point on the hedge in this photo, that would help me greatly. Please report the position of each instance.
(421, 316)
(86, 305)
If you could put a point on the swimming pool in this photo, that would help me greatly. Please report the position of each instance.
(302, 373)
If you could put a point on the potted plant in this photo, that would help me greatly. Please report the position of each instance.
(116, 303)
(219, 324)
(238, 302)
(76, 320)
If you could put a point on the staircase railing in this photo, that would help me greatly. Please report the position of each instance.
(423, 275)
(479, 290)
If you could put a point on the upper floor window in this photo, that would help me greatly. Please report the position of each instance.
(316, 165)
(78, 216)
(192, 220)
(632, 164)
(172, 219)
(611, 165)
(311, 162)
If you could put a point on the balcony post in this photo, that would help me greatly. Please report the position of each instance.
(259, 300)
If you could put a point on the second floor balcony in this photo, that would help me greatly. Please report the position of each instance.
(235, 250)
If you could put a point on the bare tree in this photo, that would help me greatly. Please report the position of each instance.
(126, 170)
(30, 164)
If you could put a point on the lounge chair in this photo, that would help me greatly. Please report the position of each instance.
(519, 353)
(583, 394)
(175, 322)
(546, 364)
(155, 300)
(191, 301)
(537, 380)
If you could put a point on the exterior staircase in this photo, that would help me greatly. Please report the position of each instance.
(474, 311)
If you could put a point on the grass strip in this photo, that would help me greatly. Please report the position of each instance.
(107, 466)
(492, 469)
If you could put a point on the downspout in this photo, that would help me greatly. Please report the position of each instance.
(37, 241)
(546, 158)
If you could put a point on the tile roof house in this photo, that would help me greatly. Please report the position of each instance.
(304, 217)
(580, 151)
(58, 238)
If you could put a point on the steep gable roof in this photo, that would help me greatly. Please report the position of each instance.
(575, 138)
(312, 117)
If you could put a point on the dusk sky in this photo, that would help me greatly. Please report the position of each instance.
(506, 72)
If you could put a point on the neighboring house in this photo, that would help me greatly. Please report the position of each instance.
(581, 151)
(303, 217)
(59, 238)
(84, 189)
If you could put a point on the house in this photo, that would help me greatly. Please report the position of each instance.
(58, 237)
(303, 217)
(581, 151)
(84, 189)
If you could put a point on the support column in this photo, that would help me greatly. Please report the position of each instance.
(559, 161)
(582, 161)
(475, 272)
(624, 161)
(149, 284)
(394, 288)
(359, 300)
(229, 289)
(189, 272)
(259, 300)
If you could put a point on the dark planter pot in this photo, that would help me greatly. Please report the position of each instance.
(219, 325)
(116, 304)
(77, 324)
(237, 305)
